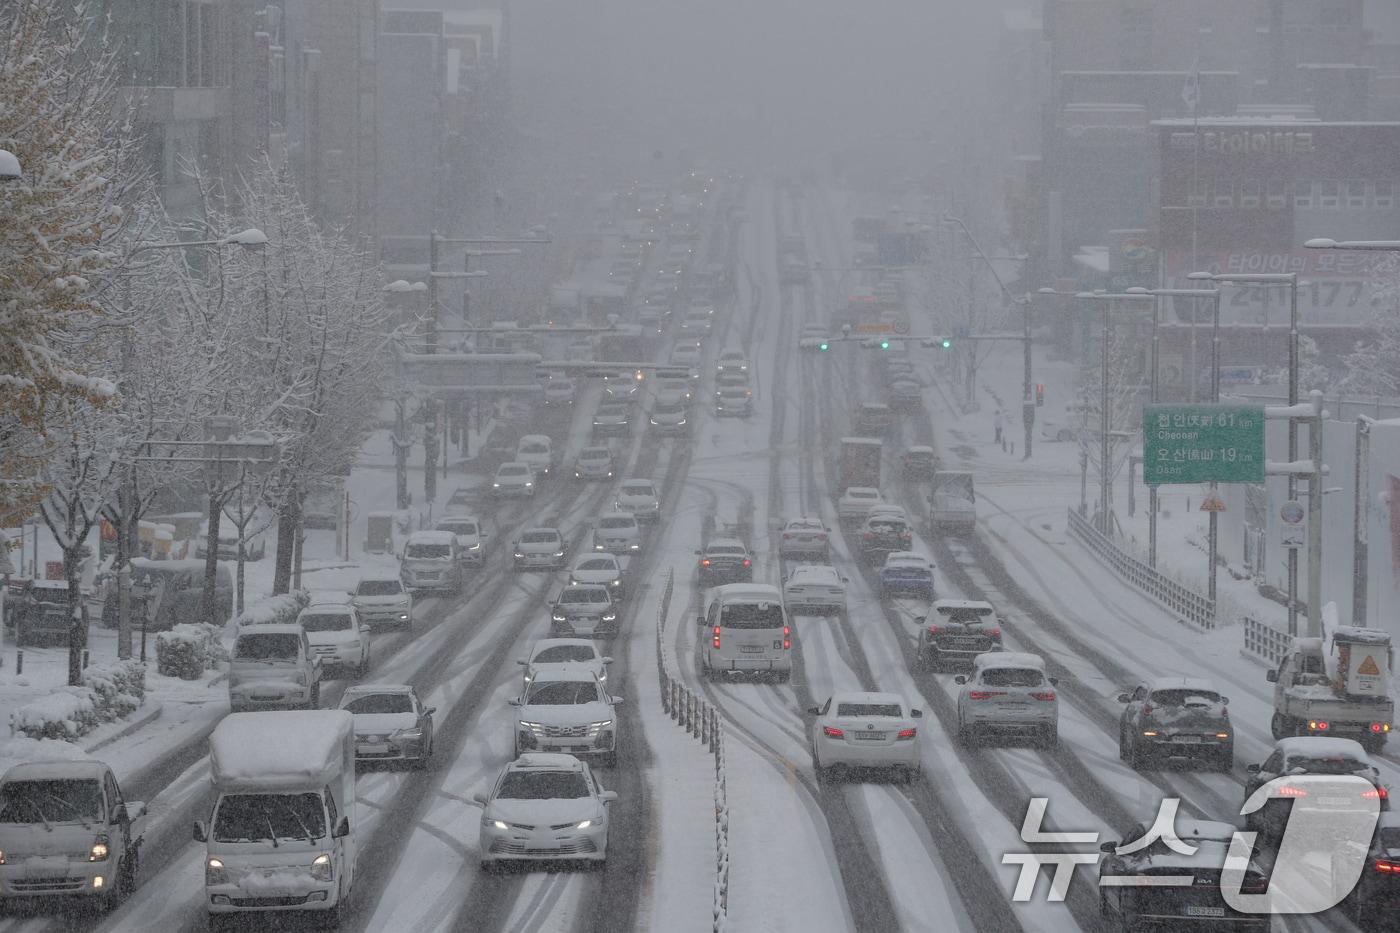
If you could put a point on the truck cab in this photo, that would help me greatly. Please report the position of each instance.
(65, 829)
(1335, 686)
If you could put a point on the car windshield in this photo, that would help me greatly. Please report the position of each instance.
(533, 449)
(868, 709)
(381, 703)
(563, 693)
(56, 801)
(258, 817)
(583, 595)
(543, 785)
(520, 470)
(752, 615)
(862, 494)
(379, 588)
(616, 523)
(595, 454)
(561, 654)
(725, 552)
(268, 646)
(1184, 697)
(539, 537)
(1012, 677)
(598, 563)
(326, 621)
(888, 527)
(1316, 765)
(458, 528)
(637, 489)
(430, 551)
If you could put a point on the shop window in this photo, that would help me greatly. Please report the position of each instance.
(1249, 194)
(1303, 195)
(1383, 196)
(1356, 195)
(1277, 194)
(1329, 195)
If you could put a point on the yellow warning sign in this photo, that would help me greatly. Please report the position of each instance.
(1368, 667)
(1212, 503)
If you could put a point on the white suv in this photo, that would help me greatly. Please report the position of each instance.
(470, 537)
(617, 533)
(337, 636)
(638, 497)
(1009, 694)
(536, 451)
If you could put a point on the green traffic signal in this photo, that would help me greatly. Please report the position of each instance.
(884, 344)
(946, 343)
(823, 346)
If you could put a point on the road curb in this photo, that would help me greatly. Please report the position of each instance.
(148, 715)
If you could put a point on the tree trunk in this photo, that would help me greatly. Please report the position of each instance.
(286, 544)
(300, 538)
(77, 630)
(208, 604)
(238, 587)
(124, 578)
(430, 454)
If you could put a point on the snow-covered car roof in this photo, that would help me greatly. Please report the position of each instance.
(614, 513)
(570, 674)
(805, 521)
(814, 573)
(864, 492)
(734, 592)
(432, 537)
(544, 643)
(907, 557)
(539, 529)
(637, 484)
(1322, 746)
(1182, 683)
(363, 689)
(273, 750)
(327, 598)
(872, 698)
(609, 561)
(54, 584)
(919, 449)
(68, 769)
(269, 628)
(1014, 659)
(948, 605)
(545, 761)
(726, 542)
(379, 578)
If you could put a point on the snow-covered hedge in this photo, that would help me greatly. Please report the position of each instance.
(109, 692)
(187, 651)
(275, 610)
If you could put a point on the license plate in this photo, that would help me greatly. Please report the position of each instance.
(1186, 739)
(1334, 801)
(374, 749)
(870, 736)
(751, 649)
(1194, 911)
(267, 698)
(46, 866)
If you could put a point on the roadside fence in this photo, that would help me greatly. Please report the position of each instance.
(698, 718)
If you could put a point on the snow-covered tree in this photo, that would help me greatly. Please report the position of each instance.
(1126, 369)
(1373, 366)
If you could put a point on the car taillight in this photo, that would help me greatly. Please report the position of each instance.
(705, 562)
(868, 536)
(821, 537)
(1288, 790)
(747, 562)
(1254, 884)
(716, 636)
(1380, 727)
(1045, 695)
(1147, 709)
(994, 634)
(935, 630)
(906, 536)
(1317, 725)
(1376, 793)
(833, 732)
(906, 734)
(1386, 867)
(985, 694)
(787, 637)
(787, 536)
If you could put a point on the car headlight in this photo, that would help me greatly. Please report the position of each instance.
(493, 824)
(681, 422)
(558, 553)
(410, 735)
(559, 617)
(321, 867)
(634, 546)
(403, 617)
(99, 850)
(474, 547)
(599, 726)
(583, 824)
(214, 872)
(495, 485)
(519, 554)
(610, 617)
(528, 485)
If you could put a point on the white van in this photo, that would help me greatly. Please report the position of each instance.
(745, 630)
(281, 836)
(432, 562)
(535, 450)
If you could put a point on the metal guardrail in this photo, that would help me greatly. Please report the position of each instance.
(1187, 604)
(1265, 642)
(700, 719)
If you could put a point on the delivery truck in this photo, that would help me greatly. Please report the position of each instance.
(860, 462)
(281, 835)
(1338, 684)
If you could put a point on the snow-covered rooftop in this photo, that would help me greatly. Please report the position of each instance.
(276, 750)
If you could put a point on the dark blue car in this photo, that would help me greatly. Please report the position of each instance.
(906, 573)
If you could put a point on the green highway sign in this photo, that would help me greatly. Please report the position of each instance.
(1202, 444)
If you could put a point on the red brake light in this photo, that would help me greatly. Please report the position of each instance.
(747, 562)
(1386, 867)
(1147, 709)
(1376, 793)
(935, 629)
(1288, 790)
(716, 636)
(994, 634)
(1046, 695)
(1380, 727)
(821, 537)
(833, 732)
(787, 638)
(984, 694)
(1318, 725)
(705, 562)
(869, 535)
(905, 734)
(787, 536)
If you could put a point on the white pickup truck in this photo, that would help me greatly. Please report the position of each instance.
(1336, 685)
(65, 830)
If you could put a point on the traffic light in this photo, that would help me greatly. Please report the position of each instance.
(884, 344)
(946, 343)
(876, 343)
(823, 346)
(1040, 394)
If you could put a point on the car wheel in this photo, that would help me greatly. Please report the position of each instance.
(1051, 739)
(489, 866)
(315, 695)
(964, 734)
(220, 923)
(610, 759)
(1122, 744)
(363, 667)
(1225, 760)
(1278, 726)
(130, 873)
(1139, 759)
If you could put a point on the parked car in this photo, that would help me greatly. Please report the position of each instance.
(337, 636)
(1008, 693)
(470, 537)
(639, 498)
(544, 808)
(804, 538)
(1304, 757)
(593, 463)
(432, 562)
(866, 730)
(905, 572)
(958, 631)
(586, 610)
(602, 569)
(513, 478)
(856, 502)
(1175, 906)
(383, 601)
(567, 710)
(617, 533)
(725, 560)
(540, 549)
(550, 654)
(391, 723)
(814, 588)
(1176, 719)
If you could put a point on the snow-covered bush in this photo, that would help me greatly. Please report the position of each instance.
(276, 610)
(68, 713)
(187, 651)
(117, 689)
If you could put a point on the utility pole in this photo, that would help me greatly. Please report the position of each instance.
(1360, 557)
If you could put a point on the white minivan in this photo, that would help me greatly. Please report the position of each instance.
(745, 630)
(535, 449)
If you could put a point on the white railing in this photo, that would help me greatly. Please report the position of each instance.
(701, 720)
(1188, 605)
(1265, 642)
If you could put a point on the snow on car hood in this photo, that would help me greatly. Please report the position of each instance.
(383, 723)
(543, 812)
(595, 576)
(20, 840)
(574, 714)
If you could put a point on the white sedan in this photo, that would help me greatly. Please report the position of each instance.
(638, 497)
(544, 808)
(513, 478)
(813, 588)
(856, 502)
(866, 730)
(567, 711)
(603, 569)
(552, 654)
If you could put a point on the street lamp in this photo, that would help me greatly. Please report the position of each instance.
(9, 166)
(1382, 246)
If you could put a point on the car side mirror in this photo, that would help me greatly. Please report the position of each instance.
(1108, 847)
(917, 713)
(479, 798)
(135, 810)
(200, 833)
(512, 702)
(1054, 681)
(960, 679)
(607, 660)
(119, 814)
(1225, 701)
(1271, 676)
(429, 711)
(814, 710)
(615, 700)
(607, 796)
(342, 829)
(1252, 769)
(1124, 698)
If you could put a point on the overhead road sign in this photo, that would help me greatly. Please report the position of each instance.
(1203, 444)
